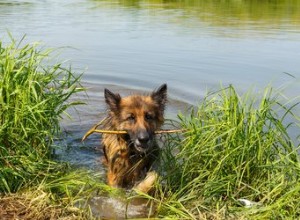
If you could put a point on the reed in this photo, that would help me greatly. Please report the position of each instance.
(34, 94)
(235, 147)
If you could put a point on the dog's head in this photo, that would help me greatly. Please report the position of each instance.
(139, 115)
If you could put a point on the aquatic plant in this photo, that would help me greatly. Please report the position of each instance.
(236, 149)
(33, 96)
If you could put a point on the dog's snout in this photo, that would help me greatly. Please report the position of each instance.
(143, 141)
(143, 137)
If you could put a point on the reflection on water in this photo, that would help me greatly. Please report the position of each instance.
(258, 14)
(104, 207)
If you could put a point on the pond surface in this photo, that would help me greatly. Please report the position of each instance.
(136, 45)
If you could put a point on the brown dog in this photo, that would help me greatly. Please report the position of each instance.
(129, 156)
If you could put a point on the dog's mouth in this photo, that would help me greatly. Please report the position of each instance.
(141, 148)
(140, 143)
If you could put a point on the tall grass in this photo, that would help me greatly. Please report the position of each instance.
(235, 147)
(33, 96)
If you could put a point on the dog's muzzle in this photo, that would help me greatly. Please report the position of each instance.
(143, 142)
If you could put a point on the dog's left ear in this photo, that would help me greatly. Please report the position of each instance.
(160, 96)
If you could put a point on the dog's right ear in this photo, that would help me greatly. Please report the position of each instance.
(112, 100)
(160, 96)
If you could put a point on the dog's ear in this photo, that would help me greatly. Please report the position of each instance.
(160, 96)
(112, 100)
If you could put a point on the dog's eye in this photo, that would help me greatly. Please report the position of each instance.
(130, 118)
(148, 116)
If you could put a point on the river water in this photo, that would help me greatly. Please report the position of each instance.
(136, 45)
(194, 46)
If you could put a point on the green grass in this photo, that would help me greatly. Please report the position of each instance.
(33, 97)
(234, 148)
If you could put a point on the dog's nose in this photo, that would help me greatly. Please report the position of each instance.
(143, 137)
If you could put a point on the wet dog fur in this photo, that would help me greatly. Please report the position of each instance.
(129, 157)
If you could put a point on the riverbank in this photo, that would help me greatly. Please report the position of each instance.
(236, 159)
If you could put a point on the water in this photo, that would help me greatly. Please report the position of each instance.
(192, 45)
(136, 45)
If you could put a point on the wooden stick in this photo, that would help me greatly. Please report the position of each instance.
(125, 132)
(94, 130)
(170, 131)
(89, 132)
(109, 132)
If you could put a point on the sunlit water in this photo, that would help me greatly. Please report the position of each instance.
(136, 45)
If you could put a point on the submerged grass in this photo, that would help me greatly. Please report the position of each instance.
(235, 148)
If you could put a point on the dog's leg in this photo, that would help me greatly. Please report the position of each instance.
(147, 184)
(113, 180)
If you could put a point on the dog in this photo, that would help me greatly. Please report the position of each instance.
(129, 156)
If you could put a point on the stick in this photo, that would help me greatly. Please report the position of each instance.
(125, 132)
(89, 132)
(109, 132)
(170, 131)
(93, 129)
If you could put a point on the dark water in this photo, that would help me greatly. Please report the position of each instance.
(136, 45)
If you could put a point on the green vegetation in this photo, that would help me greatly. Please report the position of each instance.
(33, 97)
(235, 148)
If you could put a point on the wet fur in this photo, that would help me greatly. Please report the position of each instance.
(129, 160)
